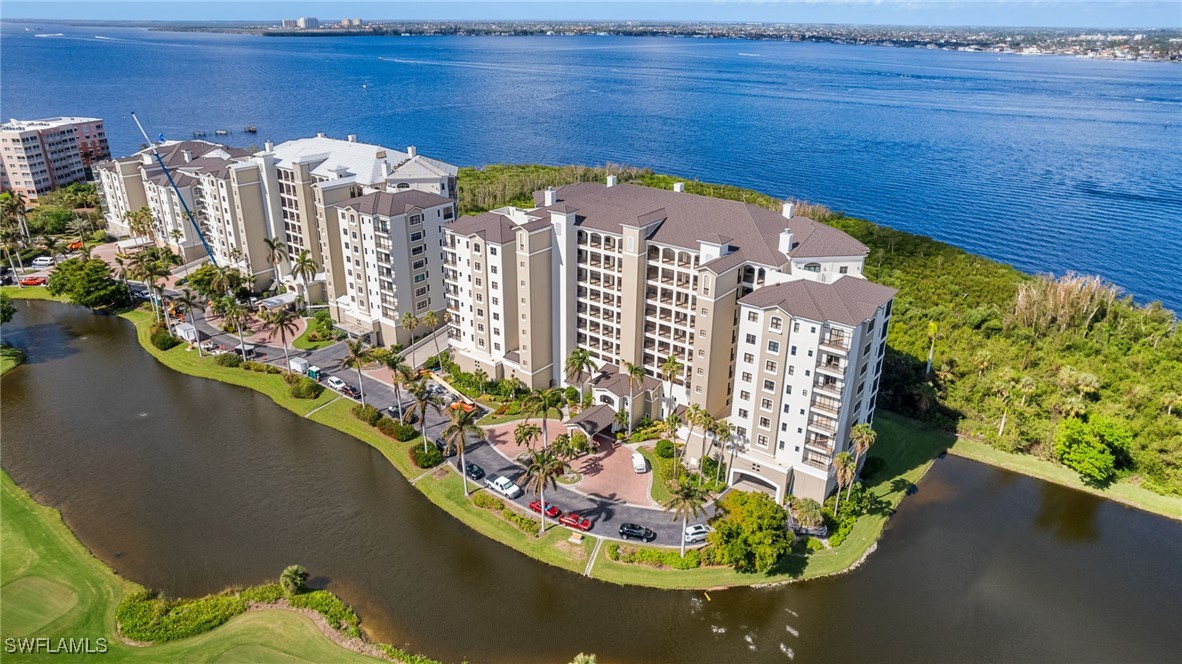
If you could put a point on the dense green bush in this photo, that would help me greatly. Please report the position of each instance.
(162, 339)
(229, 360)
(428, 458)
(653, 557)
(396, 430)
(146, 616)
(261, 367)
(87, 283)
(524, 523)
(399, 655)
(302, 387)
(485, 501)
(266, 593)
(750, 532)
(665, 449)
(367, 414)
(338, 614)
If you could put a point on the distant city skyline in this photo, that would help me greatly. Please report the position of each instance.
(1006, 13)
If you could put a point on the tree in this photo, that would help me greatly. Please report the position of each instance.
(724, 431)
(188, 302)
(671, 370)
(539, 403)
(424, 400)
(933, 331)
(356, 355)
(294, 579)
(463, 424)
(400, 373)
(1081, 449)
(304, 268)
(577, 362)
(225, 279)
(695, 416)
(276, 254)
(525, 434)
(685, 503)
(749, 531)
(583, 658)
(410, 322)
(635, 375)
(431, 320)
(808, 513)
(862, 436)
(235, 315)
(542, 469)
(87, 283)
(283, 322)
(843, 463)
(7, 308)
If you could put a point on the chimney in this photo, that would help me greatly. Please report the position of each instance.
(551, 196)
(269, 146)
(319, 134)
(188, 155)
(411, 151)
(679, 186)
(786, 239)
(788, 210)
(611, 180)
(352, 138)
(386, 170)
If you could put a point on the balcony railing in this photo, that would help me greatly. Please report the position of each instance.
(835, 342)
(823, 424)
(817, 461)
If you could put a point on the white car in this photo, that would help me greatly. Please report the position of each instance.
(696, 533)
(336, 383)
(503, 485)
(44, 261)
(639, 463)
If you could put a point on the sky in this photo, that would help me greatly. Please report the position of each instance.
(1034, 13)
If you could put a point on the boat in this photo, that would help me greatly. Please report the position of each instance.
(251, 129)
(221, 132)
(49, 34)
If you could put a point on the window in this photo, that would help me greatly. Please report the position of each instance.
(701, 371)
(492, 251)
(770, 365)
(788, 390)
(416, 236)
(422, 304)
(419, 250)
(810, 353)
(752, 316)
(744, 395)
(480, 313)
(766, 404)
(477, 266)
(777, 323)
(746, 376)
(764, 423)
(420, 278)
(791, 370)
(751, 339)
(741, 431)
(812, 267)
(705, 312)
(796, 327)
(762, 441)
(415, 219)
(479, 282)
(748, 358)
(792, 350)
(743, 413)
(773, 346)
(769, 385)
(843, 270)
(476, 247)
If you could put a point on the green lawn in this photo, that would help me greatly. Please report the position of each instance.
(30, 293)
(660, 488)
(10, 358)
(54, 588)
(1122, 492)
(906, 447)
(491, 419)
(303, 343)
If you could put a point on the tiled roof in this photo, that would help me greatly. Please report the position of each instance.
(419, 166)
(848, 300)
(611, 379)
(392, 204)
(812, 239)
(594, 419)
(493, 227)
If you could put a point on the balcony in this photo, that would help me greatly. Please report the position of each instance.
(831, 388)
(823, 424)
(821, 443)
(817, 461)
(828, 406)
(836, 343)
(836, 369)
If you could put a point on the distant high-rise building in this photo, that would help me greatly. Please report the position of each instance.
(305, 22)
(290, 23)
(37, 156)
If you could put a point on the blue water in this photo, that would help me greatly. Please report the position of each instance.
(1053, 164)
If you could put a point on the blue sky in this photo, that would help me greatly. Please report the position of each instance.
(1070, 13)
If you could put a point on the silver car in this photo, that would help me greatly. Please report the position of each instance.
(697, 533)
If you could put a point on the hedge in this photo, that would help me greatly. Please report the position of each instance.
(428, 458)
(162, 339)
(303, 387)
(654, 557)
(229, 360)
(367, 414)
(665, 449)
(396, 430)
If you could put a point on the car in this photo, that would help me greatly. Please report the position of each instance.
(551, 511)
(43, 261)
(635, 531)
(448, 450)
(572, 520)
(473, 472)
(696, 533)
(33, 281)
(342, 387)
(639, 463)
(503, 485)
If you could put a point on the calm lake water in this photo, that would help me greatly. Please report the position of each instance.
(189, 485)
(1051, 163)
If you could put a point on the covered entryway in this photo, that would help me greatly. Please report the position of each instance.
(744, 481)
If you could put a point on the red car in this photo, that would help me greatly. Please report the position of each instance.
(551, 511)
(572, 520)
(33, 281)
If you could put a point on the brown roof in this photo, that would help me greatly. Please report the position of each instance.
(493, 227)
(392, 204)
(594, 419)
(611, 379)
(686, 218)
(848, 300)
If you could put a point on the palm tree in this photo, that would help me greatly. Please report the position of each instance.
(357, 354)
(724, 431)
(410, 322)
(424, 399)
(282, 322)
(401, 374)
(621, 419)
(188, 302)
(695, 416)
(151, 272)
(225, 280)
(686, 502)
(539, 403)
(862, 436)
(463, 424)
(431, 320)
(933, 331)
(808, 513)
(276, 254)
(542, 469)
(844, 463)
(293, 579)
(122, 271)
(577, 362)
(671, 370)
(237, 315)
(635, 374)
(304, 268)
(525, 434)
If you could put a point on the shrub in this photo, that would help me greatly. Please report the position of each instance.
(428, 458)
(485, 501)
(264, 594)
(293, 580)
(101, 236)
(162, 339)
(658, 557)
(229, 360)
(338, 614)
(525, 523)
(146, 616)
(303, 387)
(613, 551)
(750, 532)
(367, 414)
(396, 430)
(665, 449)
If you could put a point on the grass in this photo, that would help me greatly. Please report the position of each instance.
(907, 448)
(72, 594)
(492, 419)
(30, 293)
(660, 488)
(303, 343)
(1122, 492)
(10, 358)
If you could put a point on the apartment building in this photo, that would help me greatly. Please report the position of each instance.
(37, 156)
(636, 274)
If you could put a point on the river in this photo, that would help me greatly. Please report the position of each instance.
(189, 485)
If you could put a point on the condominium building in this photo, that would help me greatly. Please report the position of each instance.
(37, 156)
(635, 275)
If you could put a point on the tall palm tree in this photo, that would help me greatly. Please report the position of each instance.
(225, 279)
(933, 332)
(694, 417)
(123, 271)
(455, 436)
(151, 273)
(577, 362)
(281, 321)
(844, 464)
(424, 399)
(539, 403)
(525, 434)
(188, 302)
(862, 436)
(431, 320)
(708, 423)
(635, 375)
(276, 254)
(410, 322)
(724, 431)
(542, 469)
(304, 268)
(686, 502)
(356, 355)
(808, 513)
(400, 372)
(237, 315)
(671, 370)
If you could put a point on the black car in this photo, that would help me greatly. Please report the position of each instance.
(447, 450)
(474, 472)
(633, 531)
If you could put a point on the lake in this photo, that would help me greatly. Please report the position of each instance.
(188, 485)
(1052, 164)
